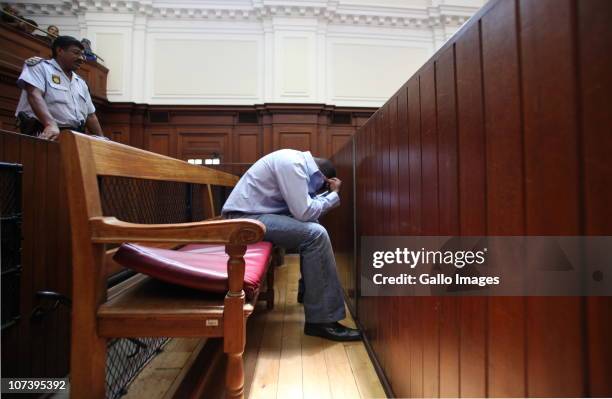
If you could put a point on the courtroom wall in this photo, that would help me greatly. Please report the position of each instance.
(348, 53)
(236, 134)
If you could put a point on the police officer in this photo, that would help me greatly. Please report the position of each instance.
(53, 96)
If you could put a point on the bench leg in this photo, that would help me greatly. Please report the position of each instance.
(234, 376)
(270, 284)
(88, 368)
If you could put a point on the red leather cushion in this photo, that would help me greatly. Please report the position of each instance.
(199, 266)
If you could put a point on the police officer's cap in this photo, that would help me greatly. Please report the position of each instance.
(64, 42)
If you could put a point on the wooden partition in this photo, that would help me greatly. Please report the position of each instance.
(38, 346)
(506, 130)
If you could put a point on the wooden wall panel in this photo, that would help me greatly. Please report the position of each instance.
(470, 124)
(550, 141)
(504, 131)
(118, 133)
(448, 214)
(505, 195)
(472, 205)
(38, 347)
(297, 137)
(159, 143)
(403, 159)
(502, 120)
(430, 306)
(429, 151)
(27, 259)
(549, 122)
(11, 357)
(447, 142)
(296, 141)
(248, 147)
(382, 304)
(338, 141)
(595, 85)
(415, 157)
(198, 144)
(52, 242)
(397, 358)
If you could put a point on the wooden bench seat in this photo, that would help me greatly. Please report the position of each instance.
(143, 306)
(151, 308)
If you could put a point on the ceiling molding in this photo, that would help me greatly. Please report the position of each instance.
(327, 11)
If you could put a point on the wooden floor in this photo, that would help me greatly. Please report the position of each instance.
(280, 361)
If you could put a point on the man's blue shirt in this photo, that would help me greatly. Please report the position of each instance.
(282, 182)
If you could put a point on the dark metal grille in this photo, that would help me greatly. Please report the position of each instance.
(126, 357)
(10, 246)
(143, 201)
(153, 201)
(198, 194)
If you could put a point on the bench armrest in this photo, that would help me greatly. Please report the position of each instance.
(234, 231)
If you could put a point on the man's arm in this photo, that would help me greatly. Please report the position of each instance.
(333, 187)
(93, 125)
(293, 185)
(39, 106)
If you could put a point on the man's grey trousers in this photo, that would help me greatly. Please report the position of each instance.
(323, 296)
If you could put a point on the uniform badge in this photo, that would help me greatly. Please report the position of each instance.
(56, 79)
(33, 61)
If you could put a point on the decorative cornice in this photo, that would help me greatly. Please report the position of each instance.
(329, 11)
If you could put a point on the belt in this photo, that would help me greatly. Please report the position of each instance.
(79, 128)
(233, 214)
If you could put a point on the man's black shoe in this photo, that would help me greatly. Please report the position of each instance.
(300, 297)
(333, 331)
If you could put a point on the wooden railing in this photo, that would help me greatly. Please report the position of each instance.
(506, 130)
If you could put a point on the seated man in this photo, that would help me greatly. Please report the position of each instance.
(280, 190)
(53, 96)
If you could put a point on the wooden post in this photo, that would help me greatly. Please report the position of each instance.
(211, 201)
(234, 323)
(88, 350)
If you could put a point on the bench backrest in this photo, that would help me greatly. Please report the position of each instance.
(86, 158)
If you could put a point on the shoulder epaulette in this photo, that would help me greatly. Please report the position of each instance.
(33, 61)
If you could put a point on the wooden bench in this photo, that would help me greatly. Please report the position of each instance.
(144, 306)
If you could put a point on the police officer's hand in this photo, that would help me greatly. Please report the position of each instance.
(51, 132)
(334, 184)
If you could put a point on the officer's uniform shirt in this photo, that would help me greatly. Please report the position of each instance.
(68, 100)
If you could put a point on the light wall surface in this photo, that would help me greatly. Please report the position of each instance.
(339, 52)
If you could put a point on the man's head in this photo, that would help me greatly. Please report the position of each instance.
(30, 26)
(9, 9)
(53, 31)
(68, 52)
(326, 167)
